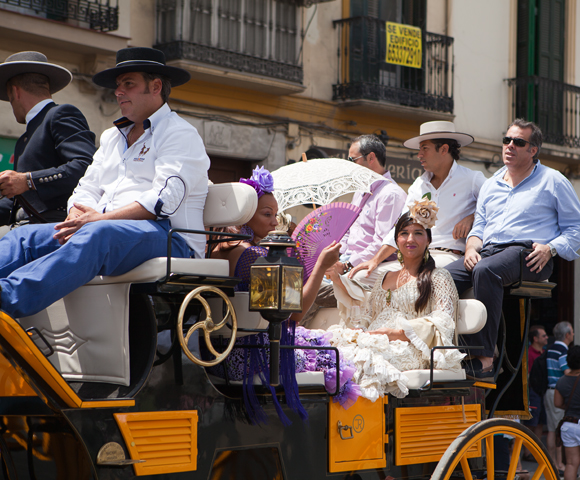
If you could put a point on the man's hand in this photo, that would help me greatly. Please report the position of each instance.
(471, 259)
(384, 252)
(337, 267)
(472, 249)
(12, 183)
(461, 230)
(538, 258)
(369, 265)
(78, 216)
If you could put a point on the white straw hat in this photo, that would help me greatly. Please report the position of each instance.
(436, 130)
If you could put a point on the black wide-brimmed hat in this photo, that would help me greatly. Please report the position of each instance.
(141, 59)
(32, 62)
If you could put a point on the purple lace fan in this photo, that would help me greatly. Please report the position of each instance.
(318, 230)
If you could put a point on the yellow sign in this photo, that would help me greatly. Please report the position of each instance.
(404, 45)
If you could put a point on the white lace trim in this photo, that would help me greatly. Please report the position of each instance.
(381, 363)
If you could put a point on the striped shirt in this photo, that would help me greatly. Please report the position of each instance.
(556, 360)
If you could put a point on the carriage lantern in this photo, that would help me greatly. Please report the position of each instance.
(276, 291)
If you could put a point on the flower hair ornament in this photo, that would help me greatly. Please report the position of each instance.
(261, 181)
(424, 212)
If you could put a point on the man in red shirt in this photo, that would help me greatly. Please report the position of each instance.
(538, 341)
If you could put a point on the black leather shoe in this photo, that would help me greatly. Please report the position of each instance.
(474, 370)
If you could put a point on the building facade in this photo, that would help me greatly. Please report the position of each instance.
(272, 79)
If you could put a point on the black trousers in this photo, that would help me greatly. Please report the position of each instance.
(499, 266)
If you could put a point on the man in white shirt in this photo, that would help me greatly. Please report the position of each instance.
(149, 174)
(452, 187)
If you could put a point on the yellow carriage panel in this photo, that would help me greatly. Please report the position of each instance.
(357, 436)
(422, 434)
(166, 441)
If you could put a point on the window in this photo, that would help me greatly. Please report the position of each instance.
(541, 94)
(266, 29)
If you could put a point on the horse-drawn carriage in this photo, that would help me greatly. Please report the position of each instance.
(108, 383)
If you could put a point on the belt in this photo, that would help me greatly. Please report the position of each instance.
(570, 419)
(448, 250)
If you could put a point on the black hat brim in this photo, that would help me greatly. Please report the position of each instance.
(108, 78)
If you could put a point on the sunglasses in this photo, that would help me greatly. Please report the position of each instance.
(518, 142)
(356, 158)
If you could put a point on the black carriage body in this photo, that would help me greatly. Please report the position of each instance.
(228, 445)
(172, 414)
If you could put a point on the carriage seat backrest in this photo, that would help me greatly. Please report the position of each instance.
(471, 315)
(229, 204)
(88, 328)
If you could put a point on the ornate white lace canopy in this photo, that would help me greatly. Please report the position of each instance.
(320, 181)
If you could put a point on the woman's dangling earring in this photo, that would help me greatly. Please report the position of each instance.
(246, 230)
(400, 257)
(426, 257)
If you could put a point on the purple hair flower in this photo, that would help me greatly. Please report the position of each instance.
(261, 181)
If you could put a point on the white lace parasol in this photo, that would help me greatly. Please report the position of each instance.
(320, 181)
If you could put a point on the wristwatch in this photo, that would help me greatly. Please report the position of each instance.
(347, 267)
(553, 251)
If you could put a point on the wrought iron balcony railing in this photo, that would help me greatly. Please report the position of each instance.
(259, 40)
(363, 72)
(102, 15)
(554, 106)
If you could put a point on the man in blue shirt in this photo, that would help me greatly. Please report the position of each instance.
(556, 361)
(524, 205)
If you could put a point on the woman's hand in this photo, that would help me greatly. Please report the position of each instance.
(392, 333)
(329, 256)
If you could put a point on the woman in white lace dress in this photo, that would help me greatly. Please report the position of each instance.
(408, 313)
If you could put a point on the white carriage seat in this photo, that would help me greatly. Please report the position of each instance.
(471, 314)
(471, 318)
(88, 329)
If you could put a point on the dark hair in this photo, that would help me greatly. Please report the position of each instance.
(454, 147)
(573, 358)
(535, 137)
(372, 144)
(165, 84)
(534, 332)
(426, 268)
(35, 83)
(225, 246)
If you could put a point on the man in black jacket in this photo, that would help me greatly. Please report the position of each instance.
(55, 150)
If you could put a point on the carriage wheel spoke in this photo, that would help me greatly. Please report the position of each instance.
(466, 469)
(515, 458)
(489, 453)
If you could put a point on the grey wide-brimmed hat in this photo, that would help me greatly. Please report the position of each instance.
(141, 59)
(436, 130)
(32, 62)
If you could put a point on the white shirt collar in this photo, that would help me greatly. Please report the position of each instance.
(124, 123)
(429, 175)
(34, 111)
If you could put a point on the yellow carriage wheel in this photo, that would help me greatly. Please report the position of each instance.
(455, 462)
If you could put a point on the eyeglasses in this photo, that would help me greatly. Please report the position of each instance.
(356, 158)
(518, 142)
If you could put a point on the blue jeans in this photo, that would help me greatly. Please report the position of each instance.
(36, 271)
